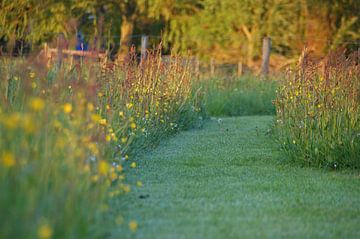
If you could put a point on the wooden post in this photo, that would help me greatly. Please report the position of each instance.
(144, 45)
(266, 56)
(212, 67)
(239, 69)
(60, 47)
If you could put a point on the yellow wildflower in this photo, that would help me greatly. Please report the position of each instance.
(102, 122)
(33, 85)
(108, 138)
(139, 184)
(133, 225)
(123, 140)
(90, 107)
(96, 118)
(8, 160)
(133, 165)
(45, 231)
(37, 104)
(67, 108)
(129, 105)
(121, 114)
(103, 167)
(32, 75)
(133, 125)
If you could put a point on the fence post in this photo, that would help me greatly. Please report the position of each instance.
(239, 69)
(212, 67)
(266, 56)
(60, 47)
(144, 45)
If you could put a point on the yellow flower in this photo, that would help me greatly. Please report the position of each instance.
(103, 167)
(45, 231)
(129, 105)
(121, 114)
(90, 107)
(123, 140)
(133, 225)
(102, 122)
(67, 108)
(8, 160)
(100, 94)
(96, 118)
(32, 75)
(133, 125)
(37, 104)
(12, 121)
(119, 168)
(139, 184)
(108, 138)
(33, 85)
(133, 165)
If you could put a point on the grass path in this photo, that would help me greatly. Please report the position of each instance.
(226, 181)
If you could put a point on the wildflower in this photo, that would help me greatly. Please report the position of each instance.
(108, 107)
(133, 125)
(129, 105)
(133, 165)
(119, 168)
(12, 121)
(102, 122)
(32, 75)
(139, 184)
(90, 107)
(123, 140)
(108, 138)
(121, 114)
(37, 104)
(67, 107)
(103, 167)
(100, 94)
(133, 225)
(96, 118)
(45, 231)
(8, 160)
(33, 85)
(126, 156)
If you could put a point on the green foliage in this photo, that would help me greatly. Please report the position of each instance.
(239, 96)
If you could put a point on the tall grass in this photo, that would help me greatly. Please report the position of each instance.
(67, 137)
(246, 95)
(318, 111)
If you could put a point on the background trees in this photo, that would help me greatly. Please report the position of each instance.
(228, 30)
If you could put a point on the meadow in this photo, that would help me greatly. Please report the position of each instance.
(73, 139)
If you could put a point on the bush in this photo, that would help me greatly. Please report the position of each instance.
(239, 96)
(318, 112)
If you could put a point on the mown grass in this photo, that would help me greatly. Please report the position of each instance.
(227, 181)
(68, 135)
(318, 112)
(247, 95)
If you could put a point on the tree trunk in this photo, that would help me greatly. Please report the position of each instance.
(127, 27)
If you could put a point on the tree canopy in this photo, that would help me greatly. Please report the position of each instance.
(224, 29)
